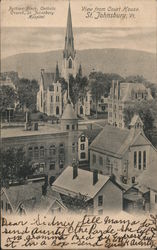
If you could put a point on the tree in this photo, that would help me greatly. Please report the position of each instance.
(8, 97)
(27, 92)
(14, 164)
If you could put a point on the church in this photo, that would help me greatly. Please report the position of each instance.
(51, 99)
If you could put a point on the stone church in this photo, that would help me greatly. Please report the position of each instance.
(50, 97)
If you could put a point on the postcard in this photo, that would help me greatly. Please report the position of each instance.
(78, 124)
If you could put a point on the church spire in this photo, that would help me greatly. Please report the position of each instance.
(57, 72)
(69, 39)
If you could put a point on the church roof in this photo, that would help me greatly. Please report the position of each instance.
(115, 141)
(135, 119)
(68, 113)
(48, 79)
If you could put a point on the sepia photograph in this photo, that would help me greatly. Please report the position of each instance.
(78, 93)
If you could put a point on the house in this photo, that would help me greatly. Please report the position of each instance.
(148, 180)
(28, 198)
(124, 153)
(95, 188)
(123, 95)
(136, 199)
(102, 105)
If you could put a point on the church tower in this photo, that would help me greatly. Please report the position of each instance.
(69, 62)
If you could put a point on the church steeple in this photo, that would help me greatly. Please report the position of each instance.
(69, 39)
(57, 73)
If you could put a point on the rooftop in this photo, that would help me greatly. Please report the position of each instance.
(69, 113)
(116, 140)
(82, 184)
(42, 130)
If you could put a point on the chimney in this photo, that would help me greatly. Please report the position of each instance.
(95, 177)
(75, 170)
(113, 89)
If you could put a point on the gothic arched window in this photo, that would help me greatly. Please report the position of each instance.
(70, 63)
(57, 110)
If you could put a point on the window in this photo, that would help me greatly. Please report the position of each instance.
(155, 198)
(42, 151)
(144, 159)
(73, 147)
(120, 107)
(61, 164)
(52, 150)
(70, 63)
(86, 98)
(110, 114)
(83, 155)
(133, 179)
(57, 110)
(139, 159)
(94, 158)
(135, 159)
(52, 165)
(83, 138)
(136, 95)
(57, 88)
(41, 99)
(100, 200)
(61, 148)
(67, 127)
(36, 152)
(30, 152)
(100, 160)
(51, 98)
(82, 146)
(73, 127)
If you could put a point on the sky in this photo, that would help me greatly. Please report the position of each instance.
(21, 34)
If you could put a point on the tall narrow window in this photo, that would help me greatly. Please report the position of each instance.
(144, 159)
(61, 149)
(30, 152)
(36, 152)
(41, 99)
(100, 200)
(94, 158)
(51, 98)
(52, 150)
(70, 63)
(42, 151)
(139, 159)
(135, 159)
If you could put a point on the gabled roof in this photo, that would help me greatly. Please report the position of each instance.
(127, 89)
(48, 79)
(26, 194)
(115, 141)
(148, 177)
(82, 184)
(110, 139)
(48, 200)
(68, 113)
(135, 119)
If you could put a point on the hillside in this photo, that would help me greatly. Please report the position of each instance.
(123, 62)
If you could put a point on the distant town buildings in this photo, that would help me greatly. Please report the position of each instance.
(123, 95)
